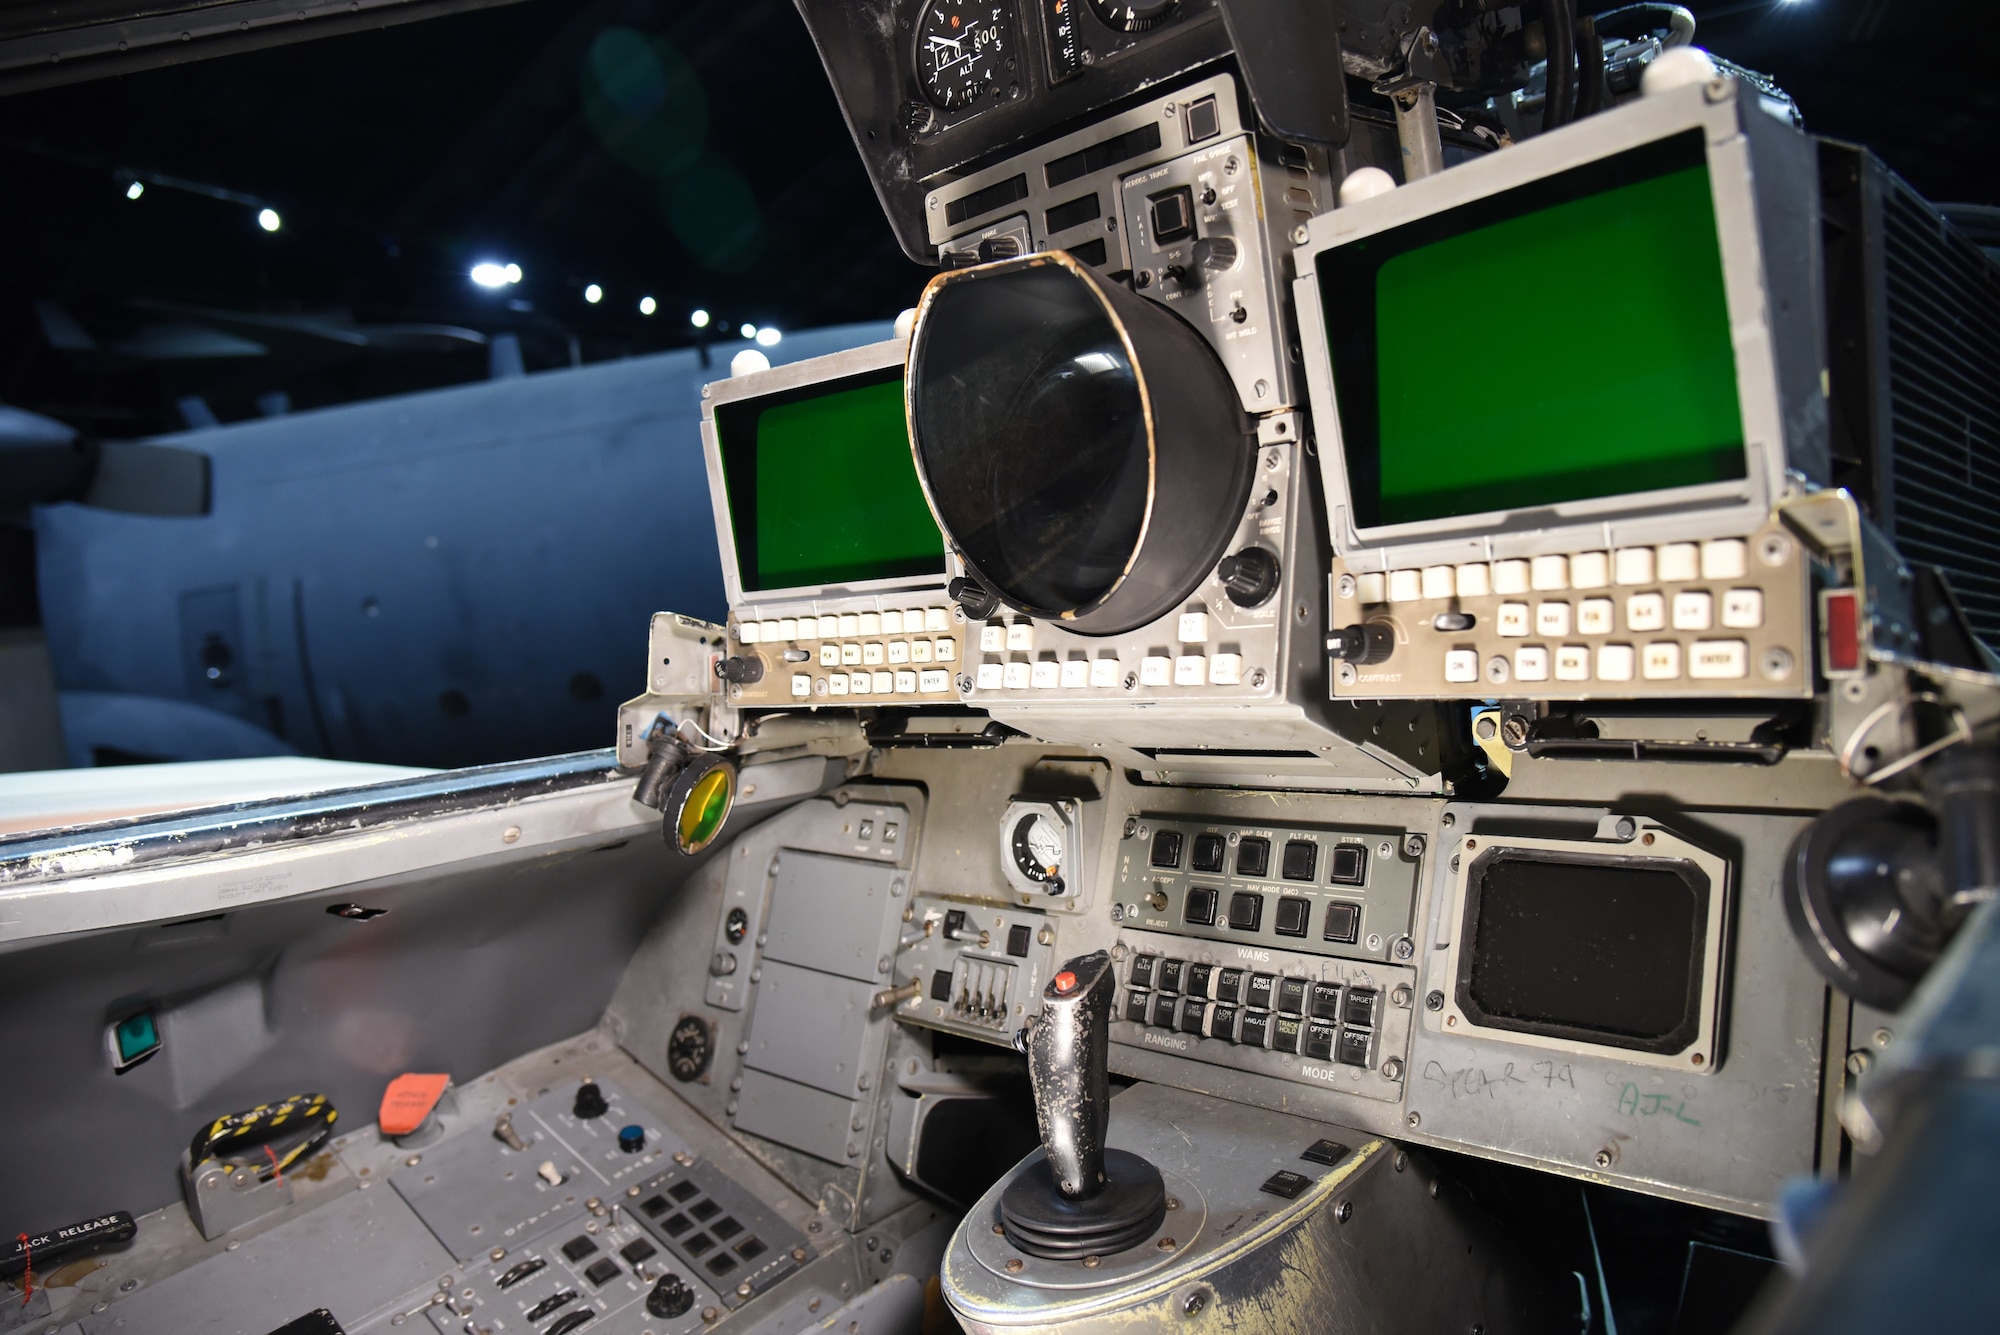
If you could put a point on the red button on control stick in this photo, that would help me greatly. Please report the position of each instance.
(1065, 983)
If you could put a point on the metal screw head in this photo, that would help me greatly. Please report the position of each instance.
(414, 1160)
(1173, 1202)
(999, 1229)
(1412, 1120)
(1773, 548)
(1514, 731)
(1603, 1158)
(1626, 827)
(1399, 995)
(1392, 1069)
(496, 1254)
(1257, 678)
(744, 1290)
(629, 1191)
(1344, 1211)
(1401, 1161)
(1092, 1262)
(1854, 688)
(1413, 845)
(709, 1314)
(1194, 1303)
(1403, 948)
(1299, 235)
(1167, 1244)
(1346, 586)
(1013, 1265)
(1434, 1001)
(1882, 1037)
(1776, 663)
(1858, 1062)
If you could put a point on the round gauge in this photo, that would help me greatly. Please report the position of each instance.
(1037, 847)
(689, 1048)
(962, 48)
(1134, 15)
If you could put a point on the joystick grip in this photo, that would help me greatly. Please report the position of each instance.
(1068, 1058)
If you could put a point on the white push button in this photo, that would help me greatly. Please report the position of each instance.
(837, 684)
(1573, 662)
(788, 628)
(906, 682)
(933, 680)
(1156, 670)
(1194, 627)
(1614, 662)
(750, 633)
(1645, 611)
(1475, 580)
(992, 638)
(1679, 561)
(892, 623)
(850, 654)
(829, 655)
(1439, 581)
(1662, 661)
(1589, 570)
(899, 651)
(1405, 586)
(937, 618)
(850, 624)
(768, 631)
(991, 676)
(1549, 573)
(1743, 609)
(1076, 672)
(1461, 665)
(913, 620)
(1371, 588)
(1225, 669)
(1725, 558)
(1633, 565)
(861, 683)
(1103, 672)
(871, 652)
(1510, 577)
(920, 651)
(885, 682)
(1021, 635)
(1694, 609)
(947, 650)
(802, 685)
(1047, 674)
(1018, 676)
(1718, 660)
(1513, 620)
(808, 628)
(1593, 616)
(1552, 618)
(871, 623)
(1190, 670)
(1531, 663)
(829, 626)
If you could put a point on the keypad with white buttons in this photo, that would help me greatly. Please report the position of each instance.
(1722, 617)
(1337, 1024)
(884, 655)
(1191, 654)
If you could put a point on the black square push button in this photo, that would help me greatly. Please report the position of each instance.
(1253, 857)
(1354, 1047)
(1229, 985)
(1142, 970)
(1326, 1001)
(1137, 1005)
(1200, 908)
(1194, 1017)
(1293, 914)
(578, 1248)
(637, 1250)
(1286, 1183)
(1325, 1151)
(1222, 1022)
(1167, 848)
(1018, 937)
(1301, 859)
(603, 1272)
(1319, 1039)
(1163, 1010)
(1173, 215)
(1199, 976)
(1263, 991)
(1286, 1033)
(1350, 864)
(1203, 120)
(1208, 852)
(1360, 1007)
(1256, 1032)
(1167, 976)
(1343, 923)
(1292, 996)
(1246, 910)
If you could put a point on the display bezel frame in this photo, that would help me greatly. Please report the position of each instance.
(1650, 844)
(872, 358)
(1712, 509)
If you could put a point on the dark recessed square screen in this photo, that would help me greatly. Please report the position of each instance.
(1590, 310)
(822, 488)
(1596, 950)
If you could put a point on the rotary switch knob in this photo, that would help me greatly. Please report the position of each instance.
(1250, 577)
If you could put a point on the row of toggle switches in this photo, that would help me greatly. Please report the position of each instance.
(1671, 563)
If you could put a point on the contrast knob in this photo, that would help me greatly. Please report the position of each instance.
(1370, 642)
(1250, 577)
(590, 1101)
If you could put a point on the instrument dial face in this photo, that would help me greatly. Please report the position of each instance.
(1037, 847)
(689, 1048)
(1134, 15)
(962, 50)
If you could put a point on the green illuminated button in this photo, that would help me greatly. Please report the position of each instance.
(135, 1037)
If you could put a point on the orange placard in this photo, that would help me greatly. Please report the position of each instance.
(408, 1100)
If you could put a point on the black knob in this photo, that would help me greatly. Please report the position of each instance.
(590, 1101)
(1250, 577)
(978, 603)
(671, 1297)
(632, 1139)
(740, 671)
(1370, 642)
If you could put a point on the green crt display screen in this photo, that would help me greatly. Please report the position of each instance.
(822, 488)
(1565, 340)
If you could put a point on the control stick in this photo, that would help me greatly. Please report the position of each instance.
(1080, 1198)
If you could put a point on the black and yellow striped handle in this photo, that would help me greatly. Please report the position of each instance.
(270, 1137)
